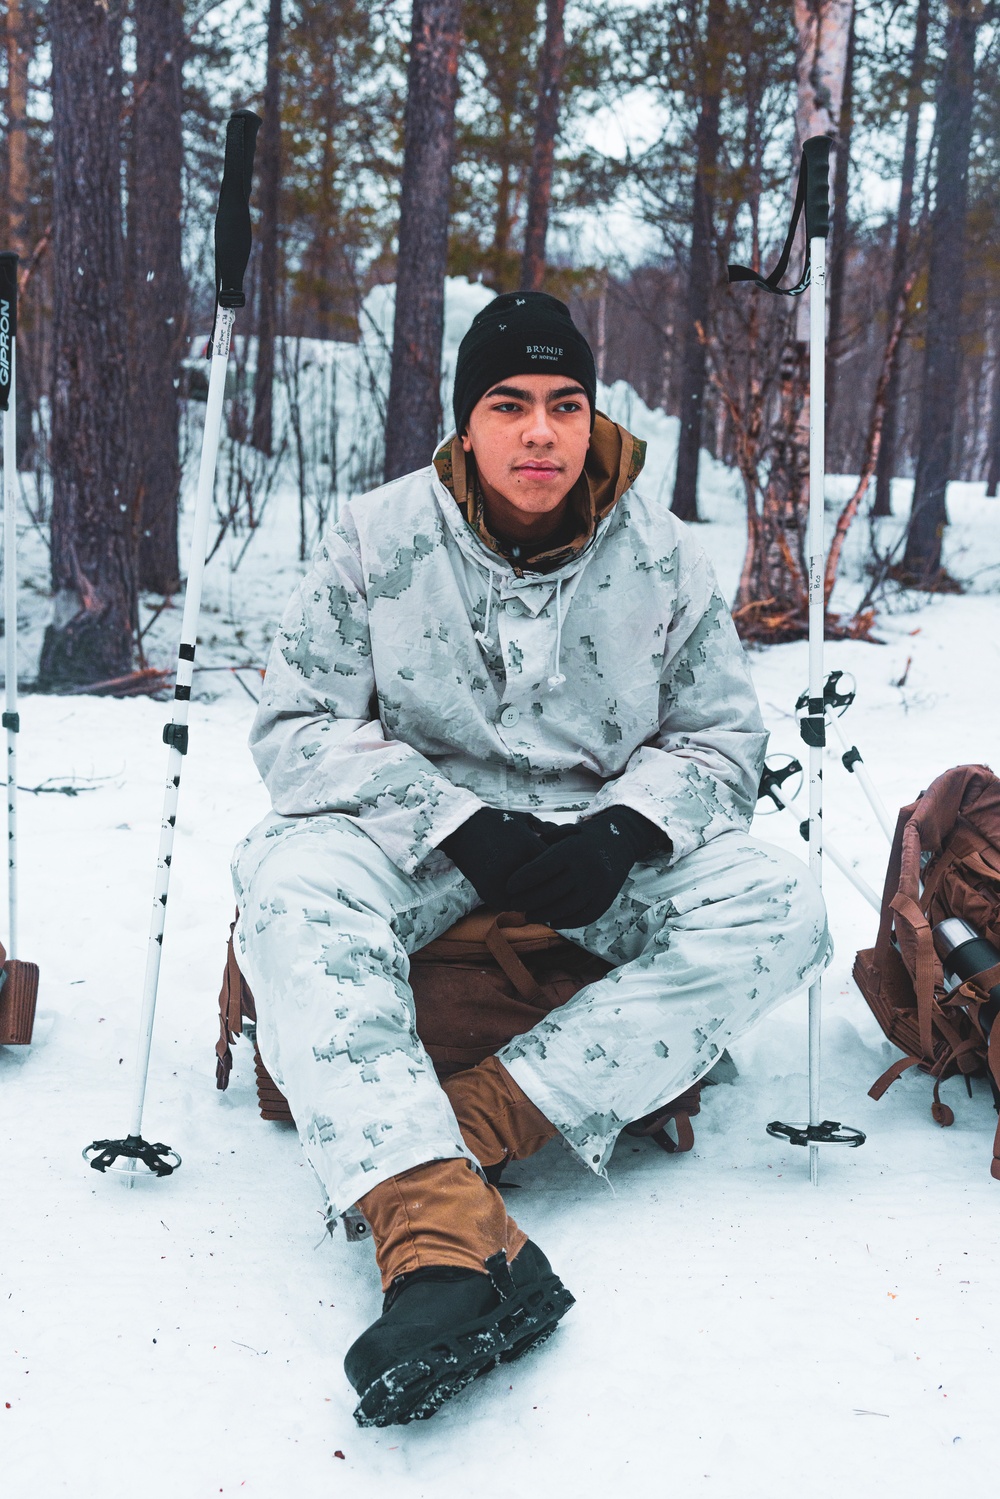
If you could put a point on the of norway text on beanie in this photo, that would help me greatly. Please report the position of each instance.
(520, 333)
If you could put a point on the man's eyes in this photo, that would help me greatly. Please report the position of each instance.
(506, 406)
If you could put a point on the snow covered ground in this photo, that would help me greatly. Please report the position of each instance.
(737, 1332)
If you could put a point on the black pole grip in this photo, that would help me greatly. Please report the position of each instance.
(812, 196)
(816, 151)
(8, 320)
(232, 221)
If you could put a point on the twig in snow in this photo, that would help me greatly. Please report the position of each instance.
(67, 789)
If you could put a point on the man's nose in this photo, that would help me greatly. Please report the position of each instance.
(538, 428)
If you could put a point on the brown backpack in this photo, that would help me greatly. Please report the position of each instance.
(18, 995)
(487, 979)
(950, 838)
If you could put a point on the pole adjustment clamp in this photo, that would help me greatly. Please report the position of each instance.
(176, 736)
(813, 729)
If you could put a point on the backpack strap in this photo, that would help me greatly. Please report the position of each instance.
(523, 980)
(993, 1060)
(891, 886)
(890, 1075)
(984, 982)
(941, 1113)
(924, 969)
(966, 1052)
(230, 1013)
(680, 1109)
(942, 863)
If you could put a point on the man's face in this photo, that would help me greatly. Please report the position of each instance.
(530, 436)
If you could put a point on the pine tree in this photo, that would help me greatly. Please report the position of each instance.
(550, 73)
(93, 524)
(268, 191)
(156, 286)
(413, 416)
(942, 358)
(711, 59)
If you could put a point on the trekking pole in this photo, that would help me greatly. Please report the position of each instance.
(812, 195)
(814, 723)
(770, 781)
(232, 251)
(834, 697)
(18, 980)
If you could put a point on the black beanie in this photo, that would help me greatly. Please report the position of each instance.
(520, 333)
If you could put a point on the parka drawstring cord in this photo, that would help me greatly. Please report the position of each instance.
(483, 636)
(558, 676)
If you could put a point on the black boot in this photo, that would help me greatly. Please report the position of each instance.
(441, 1327)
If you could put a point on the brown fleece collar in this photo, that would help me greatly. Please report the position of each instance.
(614, 462)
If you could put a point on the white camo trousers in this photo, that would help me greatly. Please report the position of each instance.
(702, 949)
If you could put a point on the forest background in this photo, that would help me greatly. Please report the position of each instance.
(616, 155)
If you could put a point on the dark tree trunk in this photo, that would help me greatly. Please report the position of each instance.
(18, 41)
(993, 450)
(156, 287)
(93, 543)
(838, 251)
(413, 417)
(942, 357)
(914, 97)
(269, 187)
(685, 498)
(550, 74)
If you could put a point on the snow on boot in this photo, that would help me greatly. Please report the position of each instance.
(443, 1326)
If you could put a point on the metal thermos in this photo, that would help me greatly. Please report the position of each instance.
(963, 952)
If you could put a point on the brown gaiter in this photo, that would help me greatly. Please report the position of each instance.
(441, 1213)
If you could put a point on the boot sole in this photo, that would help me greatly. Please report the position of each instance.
(414, 1390)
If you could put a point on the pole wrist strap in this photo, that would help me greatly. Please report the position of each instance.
(813, 195)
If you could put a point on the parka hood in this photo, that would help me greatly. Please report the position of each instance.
(614, 462)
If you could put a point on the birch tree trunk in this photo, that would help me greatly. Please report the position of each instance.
(543, 153)
(269, 180)
(700, 270)
(823, 28)
(413, 414)
(914, 97)
(93, 542)
(156, 287)
(774, 581)
(942, 351)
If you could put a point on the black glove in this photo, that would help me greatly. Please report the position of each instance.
(577, 878)
(491, 846)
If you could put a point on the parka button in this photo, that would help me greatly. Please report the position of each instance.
(509, 717)
(514, 606)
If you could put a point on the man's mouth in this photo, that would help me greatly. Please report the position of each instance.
(540, 469)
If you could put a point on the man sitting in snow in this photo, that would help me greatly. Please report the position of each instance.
(507, 634)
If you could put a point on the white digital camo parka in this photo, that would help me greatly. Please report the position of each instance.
(416, 675)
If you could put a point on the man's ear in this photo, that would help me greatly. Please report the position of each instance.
(467, 441)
